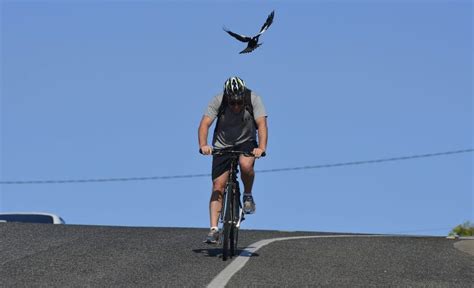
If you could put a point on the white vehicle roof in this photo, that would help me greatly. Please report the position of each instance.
(56, 219)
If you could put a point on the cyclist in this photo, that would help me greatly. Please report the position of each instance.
(237, 124)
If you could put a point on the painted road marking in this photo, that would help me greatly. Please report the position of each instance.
(466, 246)
(224, 276)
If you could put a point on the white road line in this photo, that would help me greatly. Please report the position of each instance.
(224, 276)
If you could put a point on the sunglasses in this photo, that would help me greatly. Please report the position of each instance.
(236, 102)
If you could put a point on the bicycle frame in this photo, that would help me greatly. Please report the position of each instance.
(231, 213)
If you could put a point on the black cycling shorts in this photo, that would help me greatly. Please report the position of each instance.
(221, 163)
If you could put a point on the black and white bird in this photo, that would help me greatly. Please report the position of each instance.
(252, 41)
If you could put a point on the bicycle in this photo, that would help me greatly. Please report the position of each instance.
(231, 214)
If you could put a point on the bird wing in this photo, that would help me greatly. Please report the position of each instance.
(242, 38)
(267, 23)
(247, 50)
(250, 48)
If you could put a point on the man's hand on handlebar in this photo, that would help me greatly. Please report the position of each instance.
(258, 152)
(206, 150)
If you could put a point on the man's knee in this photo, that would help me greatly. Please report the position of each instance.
(218, 186)
(247, 167)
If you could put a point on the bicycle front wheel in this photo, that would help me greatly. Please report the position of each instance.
(234, 240)
(227, 231)
(226, 242)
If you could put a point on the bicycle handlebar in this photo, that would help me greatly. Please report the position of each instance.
(232, 152)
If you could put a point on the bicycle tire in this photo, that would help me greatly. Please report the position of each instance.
(235, 241)
(231, 241)
(236, 218)
(227, 222)
(225, 243)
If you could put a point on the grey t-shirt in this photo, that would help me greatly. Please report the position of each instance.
(235, 128)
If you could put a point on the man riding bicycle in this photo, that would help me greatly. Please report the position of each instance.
(240, 113)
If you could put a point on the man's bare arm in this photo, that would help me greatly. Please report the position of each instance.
(262, 133)
(203, 132)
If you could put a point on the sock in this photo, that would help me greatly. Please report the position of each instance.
(214, 228)
(247, 194)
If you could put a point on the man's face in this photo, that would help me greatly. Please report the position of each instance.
(236, 105)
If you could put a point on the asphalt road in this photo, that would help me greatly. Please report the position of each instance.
(43, 255)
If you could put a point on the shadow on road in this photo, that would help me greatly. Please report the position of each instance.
(217, 252)
(211, 252)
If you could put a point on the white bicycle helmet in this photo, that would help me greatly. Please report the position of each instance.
(234, 87)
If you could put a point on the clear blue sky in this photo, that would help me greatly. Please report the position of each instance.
(112, 89)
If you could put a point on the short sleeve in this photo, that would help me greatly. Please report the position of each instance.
(258, 107)
(213, 108)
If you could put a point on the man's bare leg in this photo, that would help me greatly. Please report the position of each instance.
(215, 204)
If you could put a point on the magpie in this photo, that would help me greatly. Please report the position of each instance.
(252, 41)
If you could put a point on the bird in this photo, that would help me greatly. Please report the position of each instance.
(252, 41)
